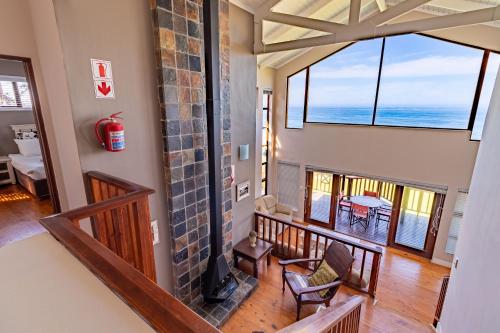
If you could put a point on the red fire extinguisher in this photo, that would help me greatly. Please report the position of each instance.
(114, 133)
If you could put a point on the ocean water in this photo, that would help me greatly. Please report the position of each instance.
(427, 116)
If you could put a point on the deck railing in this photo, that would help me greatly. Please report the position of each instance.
(442, 296)
(338, 318)
(294, 240)
(120, 253)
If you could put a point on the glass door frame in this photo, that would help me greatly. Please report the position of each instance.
(333, 203)
(431, 235)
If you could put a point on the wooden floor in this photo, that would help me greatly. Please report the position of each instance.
(19, 214)
(407, 294)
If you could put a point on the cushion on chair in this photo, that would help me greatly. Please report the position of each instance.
(270, 201)
(323, 275)
(298, 281)
(285, 217)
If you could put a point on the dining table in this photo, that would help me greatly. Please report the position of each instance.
(367, 201)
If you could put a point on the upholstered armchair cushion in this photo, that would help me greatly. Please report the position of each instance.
(283, 209)
(267, 204)
(323, 275)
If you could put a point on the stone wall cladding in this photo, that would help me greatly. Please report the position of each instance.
(178, 34)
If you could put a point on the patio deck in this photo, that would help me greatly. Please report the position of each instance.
(411, 232)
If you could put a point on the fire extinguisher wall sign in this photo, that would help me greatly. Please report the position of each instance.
(114, 133)
(103, 78)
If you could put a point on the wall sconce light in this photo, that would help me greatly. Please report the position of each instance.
(244, 152)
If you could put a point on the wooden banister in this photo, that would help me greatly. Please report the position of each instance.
(121, 252)
(311, 242)
(341, 317)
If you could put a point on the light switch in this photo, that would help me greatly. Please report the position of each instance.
(154, 231)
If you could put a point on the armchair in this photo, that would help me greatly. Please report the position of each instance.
(267, 204)
(337, 256)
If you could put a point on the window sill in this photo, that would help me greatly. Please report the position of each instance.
(2, 109)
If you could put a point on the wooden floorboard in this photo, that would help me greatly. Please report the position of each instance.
(19, 214)
(407, 295)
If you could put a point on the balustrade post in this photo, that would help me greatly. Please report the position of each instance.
(372, 289)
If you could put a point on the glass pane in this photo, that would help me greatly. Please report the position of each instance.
(265, 100)
(264, 118)
(414, 217)
(264, 138)
(321, 196)
(342, 87)
(296, 100)
(264, 171)
(24, 93)
(426, 82)
(264, 155)
(263, 190)
(7, 96)
(486, 92)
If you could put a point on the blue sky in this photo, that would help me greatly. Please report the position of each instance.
(417, 71)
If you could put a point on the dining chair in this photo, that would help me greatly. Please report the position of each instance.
(344, 205)
(370, 194)
(383, 215)
(360, 214)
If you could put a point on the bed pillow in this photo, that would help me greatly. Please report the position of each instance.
(28, 147)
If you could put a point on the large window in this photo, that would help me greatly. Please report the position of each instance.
(342, 87)
(296, 100)
(404, 81)
(426, 82)
(486, 92)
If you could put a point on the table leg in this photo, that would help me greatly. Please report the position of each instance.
(256, 269)
(235, 260)
(268, 259)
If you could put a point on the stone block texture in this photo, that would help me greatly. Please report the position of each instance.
(178, 34)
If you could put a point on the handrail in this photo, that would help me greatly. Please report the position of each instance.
(341, 317)
(127, 265)
(308, 238)
(345, 240)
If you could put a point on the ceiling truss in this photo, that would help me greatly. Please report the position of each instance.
(356, 29)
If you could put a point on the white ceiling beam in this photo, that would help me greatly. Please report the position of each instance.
(309, 10)
(258, 39)
(304, 22)
(393, 12)
(265, 9)
(360, 32)
(382, 6)
(354, 10)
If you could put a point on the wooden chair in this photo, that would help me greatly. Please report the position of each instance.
(344, 205)
(360, 214)
(337, 256)
(384, 215)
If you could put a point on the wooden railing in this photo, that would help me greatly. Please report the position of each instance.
(121, 252)
(338, 318)
(294, 240)
(442, 296)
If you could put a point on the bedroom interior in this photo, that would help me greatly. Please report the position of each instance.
(24, 190)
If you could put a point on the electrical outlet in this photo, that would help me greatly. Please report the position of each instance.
(154, 230)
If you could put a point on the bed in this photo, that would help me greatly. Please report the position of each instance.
(28, 164)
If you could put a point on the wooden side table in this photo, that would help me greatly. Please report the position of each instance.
(253, 254)
(6, 168)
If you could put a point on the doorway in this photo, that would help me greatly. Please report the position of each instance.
(374, 210)
(27, 183)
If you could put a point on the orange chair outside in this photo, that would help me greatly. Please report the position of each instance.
(370, 194)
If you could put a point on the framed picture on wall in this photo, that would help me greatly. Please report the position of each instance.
(242, 190)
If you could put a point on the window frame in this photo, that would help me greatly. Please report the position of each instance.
(474, 107)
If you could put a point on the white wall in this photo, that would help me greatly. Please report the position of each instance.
(472, 301)
(439, 157)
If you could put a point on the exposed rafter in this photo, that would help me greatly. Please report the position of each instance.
(361, 31)
(356, 29)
